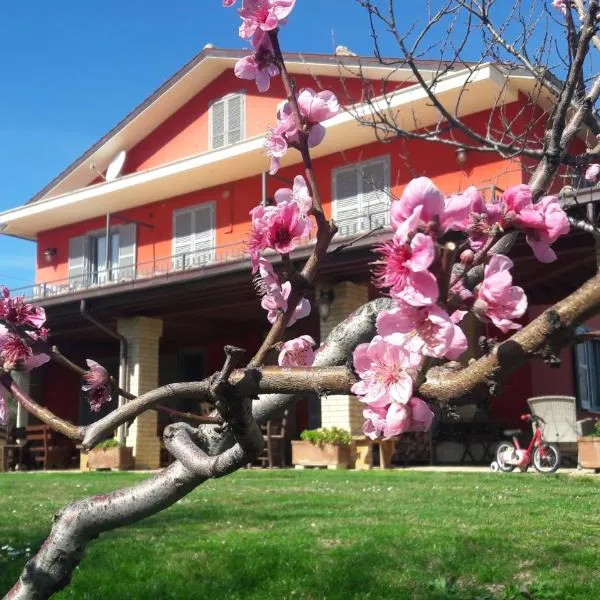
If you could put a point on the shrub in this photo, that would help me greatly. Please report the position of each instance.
(109, 443)
(328, 435)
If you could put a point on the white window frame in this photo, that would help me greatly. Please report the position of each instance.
(240, 93)
(190, 209)
(357, 167)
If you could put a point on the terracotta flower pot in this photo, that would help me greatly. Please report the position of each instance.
(588, 450)
(111, 458)
(320, 455)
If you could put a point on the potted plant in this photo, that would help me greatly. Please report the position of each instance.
(328, 447)
(110, 454)
(588, 448)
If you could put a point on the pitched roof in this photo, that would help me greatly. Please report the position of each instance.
(188, 81)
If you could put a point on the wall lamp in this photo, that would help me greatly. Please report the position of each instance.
(324, 300)
(461, 156)
(49, 254)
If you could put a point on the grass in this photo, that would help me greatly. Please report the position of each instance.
(328, 534)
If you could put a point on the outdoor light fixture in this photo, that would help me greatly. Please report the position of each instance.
(461, 156)
(49, 254)
(324, 301)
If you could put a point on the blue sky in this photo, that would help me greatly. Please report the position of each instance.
(73, 69)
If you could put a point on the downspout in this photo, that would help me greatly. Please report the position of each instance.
(121, 431)
(264, 187)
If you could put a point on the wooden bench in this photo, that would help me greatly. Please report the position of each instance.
(363, 448)
(45, 448)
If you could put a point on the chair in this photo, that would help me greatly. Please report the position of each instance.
(9, 451)
(44, 448)
(560, 414)
(274, 432)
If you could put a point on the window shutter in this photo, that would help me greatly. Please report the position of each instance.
(346, 205)
(182, 237)
(203, 234)
(77, 264)
(234, 119)
(126, 262)
(375, 202)
(218, 124)
(583, 378)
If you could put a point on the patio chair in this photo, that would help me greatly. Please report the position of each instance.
(561, 427)
(9, 450)
(274, 432)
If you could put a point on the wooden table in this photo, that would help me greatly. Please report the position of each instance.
(363, 448)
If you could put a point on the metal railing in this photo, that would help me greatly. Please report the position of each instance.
(184, 262)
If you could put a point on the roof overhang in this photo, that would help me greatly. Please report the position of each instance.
(410, 107)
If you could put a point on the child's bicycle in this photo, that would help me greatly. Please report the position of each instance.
(545, 456)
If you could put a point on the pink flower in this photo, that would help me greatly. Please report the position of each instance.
(260, 216)
(16, 354)
(427, 329)
(437, 213)
(285, 227)
(497, 299)
(386, 372)
(561, 5)
(16, 311)
(592, 173)
(228, 3)
(97, 384)
(403, 268)
(263, 14)
(259, 66)
(275, 297)
(395, 419)
(299, 194)
(544, 222)
(297, 352)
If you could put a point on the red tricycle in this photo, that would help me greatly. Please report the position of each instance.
(545, 456)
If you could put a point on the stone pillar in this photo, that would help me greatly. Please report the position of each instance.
(343, 411)
(143, 335)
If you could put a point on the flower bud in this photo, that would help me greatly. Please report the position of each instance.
(466, 257)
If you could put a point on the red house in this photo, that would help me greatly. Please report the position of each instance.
(149, 265)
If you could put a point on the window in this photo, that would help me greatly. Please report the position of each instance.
(227, 121)
(193, 236)
(361, 196)
(587, 370)
(87, 257)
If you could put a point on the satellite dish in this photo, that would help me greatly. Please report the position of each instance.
(115, 166)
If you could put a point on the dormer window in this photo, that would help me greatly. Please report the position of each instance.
(227, 121)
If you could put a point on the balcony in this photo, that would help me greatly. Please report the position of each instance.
(187, 265)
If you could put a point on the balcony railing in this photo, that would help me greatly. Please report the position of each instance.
(171, 266)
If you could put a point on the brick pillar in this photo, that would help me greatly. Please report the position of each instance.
(343, 411)
(143, 335)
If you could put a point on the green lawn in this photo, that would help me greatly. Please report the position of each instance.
(328, 534)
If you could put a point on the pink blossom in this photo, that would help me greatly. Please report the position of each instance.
(317, 107)
(297, 352)
(16, 311)
(259, 66)
(15, 353)
(544, 222)
(227, 3)
(276, 147)
(299, 194)
(263, 14)
(276, 301)
(437, 213)
(592, 173)
(386, 372)
(403, 268)
(395, 419)
(260, 216)
(497, 299)
(97, 384)
(3, 411)
(285, 227)
(561, 5)
(427, 329)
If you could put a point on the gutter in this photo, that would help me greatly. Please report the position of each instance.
(83, 309)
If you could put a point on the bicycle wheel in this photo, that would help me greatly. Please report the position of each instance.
(546, 458)
(503, 449)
